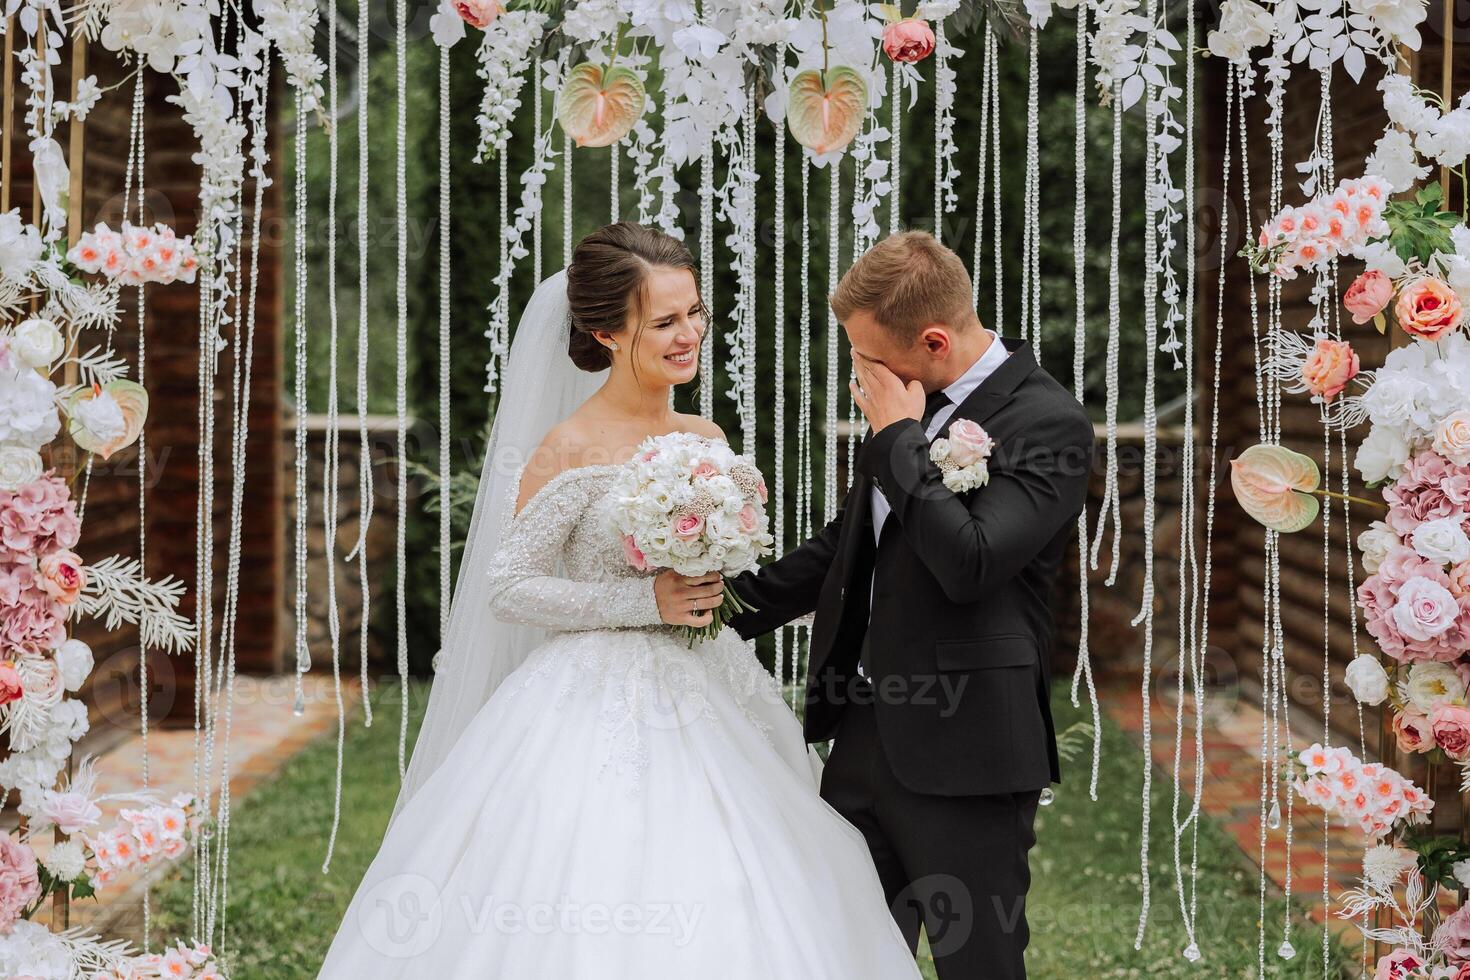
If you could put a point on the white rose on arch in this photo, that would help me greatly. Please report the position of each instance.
(74, 657)
(37, 342)
(19, 465)
(28, 414)
(1374, 542)
(1443, 541)
(1367, 679)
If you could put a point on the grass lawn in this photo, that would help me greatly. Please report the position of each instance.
(1083, 909)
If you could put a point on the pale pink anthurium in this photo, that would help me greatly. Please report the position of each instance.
(597, 107)
(827, 108)
(1274, 485)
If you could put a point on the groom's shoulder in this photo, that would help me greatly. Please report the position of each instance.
(1045, 403)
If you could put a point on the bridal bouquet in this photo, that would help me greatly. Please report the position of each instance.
(694, 505)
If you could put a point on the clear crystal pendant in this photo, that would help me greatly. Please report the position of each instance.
(1047, 797)
(1192, 953)
(299, 708)
(1273, 817)
(1286, 950)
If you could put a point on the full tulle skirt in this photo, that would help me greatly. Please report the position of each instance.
(624, 808)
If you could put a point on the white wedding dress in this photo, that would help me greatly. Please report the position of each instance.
(623, 807)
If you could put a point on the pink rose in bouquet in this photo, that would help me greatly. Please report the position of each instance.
(1428, 308)
(1368, 295)
(693, 505)
(1330, 366)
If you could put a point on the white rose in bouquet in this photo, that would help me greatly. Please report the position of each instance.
(696, 506)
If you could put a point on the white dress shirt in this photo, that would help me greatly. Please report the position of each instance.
(957, 392)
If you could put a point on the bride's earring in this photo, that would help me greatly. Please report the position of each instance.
(612, 345)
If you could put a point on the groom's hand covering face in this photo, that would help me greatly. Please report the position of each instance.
(882, 396)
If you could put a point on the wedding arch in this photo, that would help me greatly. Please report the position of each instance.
(1338, 247)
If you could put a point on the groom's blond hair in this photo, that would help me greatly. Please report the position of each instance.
(907, 282)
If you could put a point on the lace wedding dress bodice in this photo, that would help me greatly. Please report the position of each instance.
(561, 567)
(568, 525)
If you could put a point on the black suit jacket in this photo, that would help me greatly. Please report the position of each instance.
(960, 624)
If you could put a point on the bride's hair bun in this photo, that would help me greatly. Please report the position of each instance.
(605, 281)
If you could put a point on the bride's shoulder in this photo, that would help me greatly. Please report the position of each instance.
(570, 445)
(701, 426)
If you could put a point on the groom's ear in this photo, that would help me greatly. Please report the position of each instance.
(936, 340)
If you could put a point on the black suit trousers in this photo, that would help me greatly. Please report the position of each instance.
(956, 864)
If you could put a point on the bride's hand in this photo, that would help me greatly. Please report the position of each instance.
(685, 600)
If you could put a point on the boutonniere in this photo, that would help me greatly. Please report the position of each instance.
(962, 455)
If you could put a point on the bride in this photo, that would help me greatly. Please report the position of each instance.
(588, 797)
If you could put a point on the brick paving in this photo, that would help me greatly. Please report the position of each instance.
(1232, 793)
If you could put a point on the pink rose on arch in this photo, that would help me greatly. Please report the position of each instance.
(1424, 609)
(11, 688)
(688, 526)
(1453, 936)
(62, 576)
(70, 812)
(1368, 295)
(909, 41)
(20, 885)
(1428, 308)
(1460, 579)
(634, 556)
(1330, 366)
(1397, 965)
(1450, 724)
(1378, 597)
(968, 442)
(478, 13)
(1411, 731)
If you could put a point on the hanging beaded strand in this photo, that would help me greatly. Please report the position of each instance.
(834, 259)
(401, 362)
(332, 460)
(981, 165)
(1083, 669)
(707, 278)
(895, 149)
(1111, 507)
(805, 477)
(364, 449)
(566, 201)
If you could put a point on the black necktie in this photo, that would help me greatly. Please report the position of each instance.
(932, 404)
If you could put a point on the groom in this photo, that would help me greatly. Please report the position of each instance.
(929, 659)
